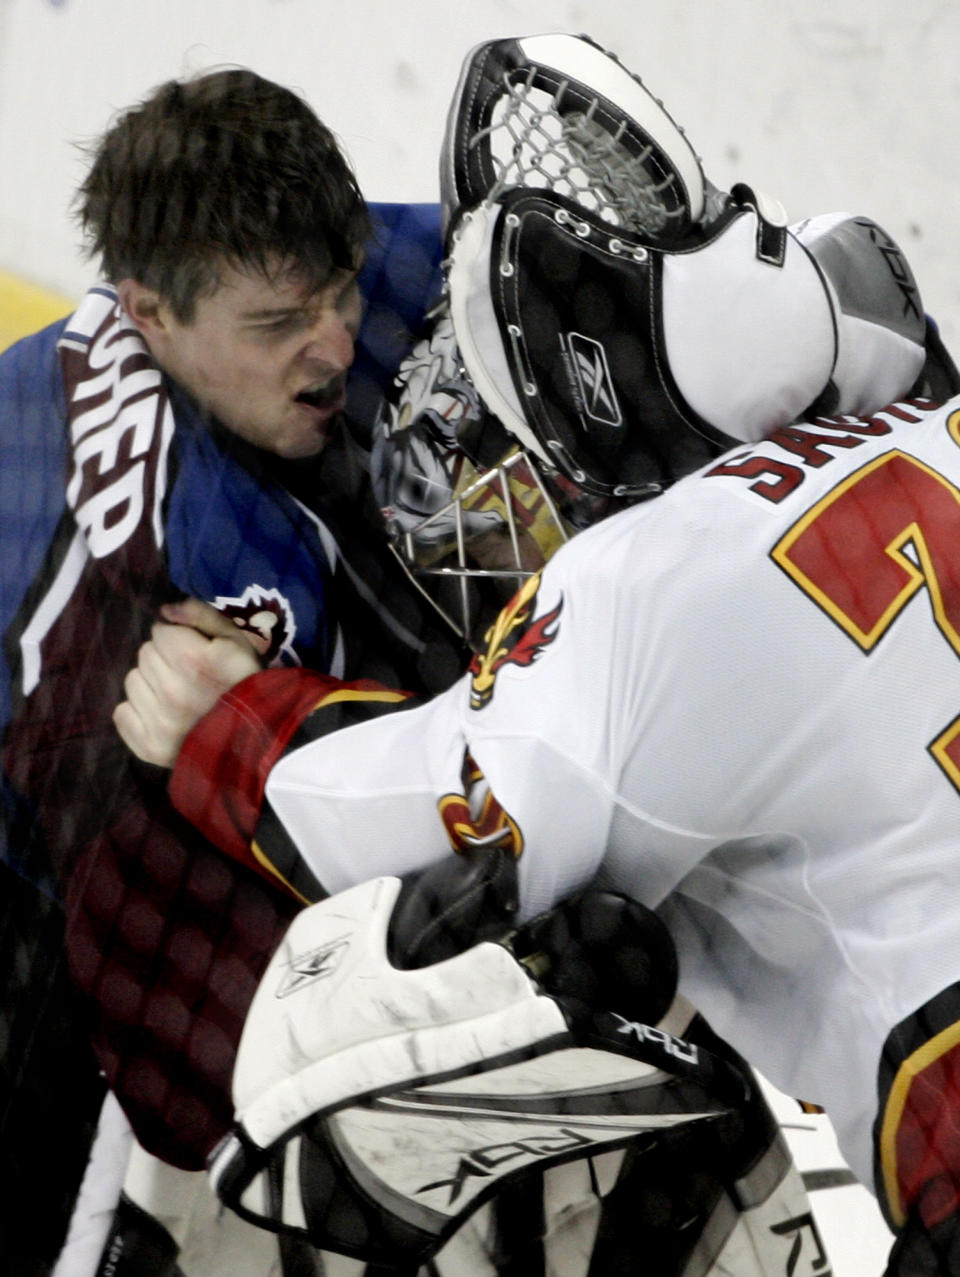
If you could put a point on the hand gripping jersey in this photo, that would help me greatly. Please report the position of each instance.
(739, 704)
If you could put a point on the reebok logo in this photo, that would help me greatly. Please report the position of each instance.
(315, 964)
(593, 386)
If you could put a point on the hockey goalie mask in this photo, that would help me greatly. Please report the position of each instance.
(468, 512)
(611, 323)
(579, 369)
(575, 368)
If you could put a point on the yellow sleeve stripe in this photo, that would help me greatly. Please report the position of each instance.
(355, 694)
(907, 1075)
(261, 859)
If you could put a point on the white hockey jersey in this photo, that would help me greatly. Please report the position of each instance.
(739, 703)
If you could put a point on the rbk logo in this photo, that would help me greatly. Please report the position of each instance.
(484, 1162)
(676, 1047)
(597, 396)
(316, 964)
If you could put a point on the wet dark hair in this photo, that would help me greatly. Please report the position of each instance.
(226, 168)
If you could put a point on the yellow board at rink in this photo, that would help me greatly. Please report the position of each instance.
(24, 308)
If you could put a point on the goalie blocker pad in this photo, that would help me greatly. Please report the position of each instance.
(623, 365)
(377, 1108)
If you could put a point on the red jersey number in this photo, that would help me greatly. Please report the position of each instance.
(866, 548)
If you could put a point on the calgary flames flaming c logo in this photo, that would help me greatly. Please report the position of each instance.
(513, 639)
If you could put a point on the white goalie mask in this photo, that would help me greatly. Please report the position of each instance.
(590, 351)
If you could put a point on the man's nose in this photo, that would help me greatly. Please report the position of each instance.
(331, 342)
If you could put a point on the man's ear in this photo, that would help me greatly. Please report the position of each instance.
(144, 307)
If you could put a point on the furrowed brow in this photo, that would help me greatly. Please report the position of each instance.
(271, 312)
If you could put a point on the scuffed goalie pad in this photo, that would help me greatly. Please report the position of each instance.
(398, 1175)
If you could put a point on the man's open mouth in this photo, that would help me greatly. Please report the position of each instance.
(321, 396)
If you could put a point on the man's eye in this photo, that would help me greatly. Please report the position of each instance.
(283, 324)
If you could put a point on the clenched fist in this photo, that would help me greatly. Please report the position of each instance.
(193, 656)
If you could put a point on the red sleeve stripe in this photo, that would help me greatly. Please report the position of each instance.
(219, 780)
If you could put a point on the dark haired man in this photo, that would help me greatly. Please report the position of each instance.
(182, 432)
(233, 228)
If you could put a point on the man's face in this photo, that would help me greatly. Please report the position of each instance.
(268, 359)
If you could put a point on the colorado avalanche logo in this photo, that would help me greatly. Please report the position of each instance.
(268, 618)
(513, 639)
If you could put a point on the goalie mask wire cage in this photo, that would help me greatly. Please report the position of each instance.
(503, 555)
